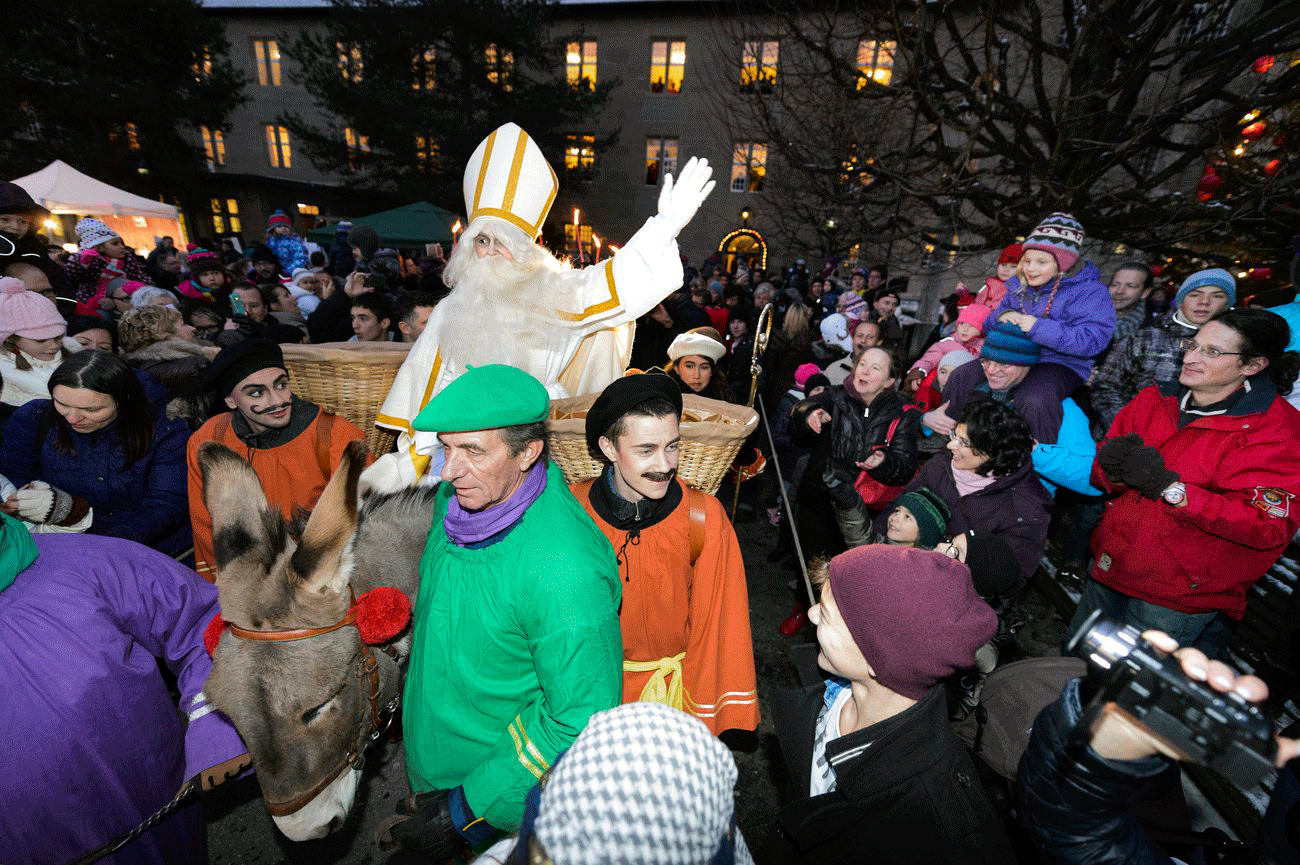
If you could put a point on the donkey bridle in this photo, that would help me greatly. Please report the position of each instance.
(366, 668)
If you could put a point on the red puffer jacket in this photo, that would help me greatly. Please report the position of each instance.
(1242, 472)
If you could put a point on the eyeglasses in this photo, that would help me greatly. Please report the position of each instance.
(961, 442)
(1190, 345)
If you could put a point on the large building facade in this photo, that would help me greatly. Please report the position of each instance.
(667, 57)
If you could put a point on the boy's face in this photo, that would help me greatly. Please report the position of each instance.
(15, 223)
(839, 653)
(902, 528)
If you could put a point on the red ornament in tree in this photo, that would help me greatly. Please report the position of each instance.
(1203, 197)
(1263, 64)
(1209, 184)
(1255, 131)
(1272, 166)
(1157, 269)
(1260, 274)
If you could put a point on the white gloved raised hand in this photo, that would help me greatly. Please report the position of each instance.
(38, 502)
(679, 200)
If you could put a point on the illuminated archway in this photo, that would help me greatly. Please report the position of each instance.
(744, 245)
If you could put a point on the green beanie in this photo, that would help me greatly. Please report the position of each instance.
(930, 512)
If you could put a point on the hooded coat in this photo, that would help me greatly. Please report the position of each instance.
(96, 743)
(1074, 324)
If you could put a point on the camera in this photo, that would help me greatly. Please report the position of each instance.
(1223, 731)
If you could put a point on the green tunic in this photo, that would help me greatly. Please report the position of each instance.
(515, 646)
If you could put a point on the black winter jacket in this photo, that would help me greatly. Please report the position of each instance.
(1076, 803)
(854, 432)
(906, 792)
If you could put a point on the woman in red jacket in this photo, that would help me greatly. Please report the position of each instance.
(1207, 475)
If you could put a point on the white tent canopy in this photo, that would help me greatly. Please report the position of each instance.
(60, 188)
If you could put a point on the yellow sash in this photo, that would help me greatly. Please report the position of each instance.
(665, 686)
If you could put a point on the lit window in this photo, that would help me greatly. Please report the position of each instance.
(350, 65)
(132, 136)
(214, 146)
(277, 146)
(583, 236)
(225, 216)
(266, 53)
(580, 64)
(203, 65)
(426, 152)
(758, 67)
(356, 143)
(579, 151)
(500, 63)
(875, 61)
(309, 209)
(422, 70)
(660, 158)
(667, 65)
(748, 166)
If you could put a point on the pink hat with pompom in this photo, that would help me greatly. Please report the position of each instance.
(803, 372)
(27, 313)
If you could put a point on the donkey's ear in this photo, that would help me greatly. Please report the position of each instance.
(243, 524)
(318, 561)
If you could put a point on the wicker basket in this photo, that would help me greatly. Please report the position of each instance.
(350, 379)
(712, 433)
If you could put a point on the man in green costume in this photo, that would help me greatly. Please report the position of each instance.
(516, 634)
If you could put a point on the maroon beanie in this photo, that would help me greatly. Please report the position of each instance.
(914, 614)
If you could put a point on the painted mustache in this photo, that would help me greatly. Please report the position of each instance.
(659, 477)
(273, 409)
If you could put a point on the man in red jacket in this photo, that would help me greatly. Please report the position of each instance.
(1207, 474)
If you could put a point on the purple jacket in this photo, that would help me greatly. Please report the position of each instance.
(93, 738)
(1081, 322)
(1014, 507)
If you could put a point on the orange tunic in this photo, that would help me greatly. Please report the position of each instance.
(291, 474)
(702, 613)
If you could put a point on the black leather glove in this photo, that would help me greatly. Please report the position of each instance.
(1112, 454)
(430, 830)
(1144, 470)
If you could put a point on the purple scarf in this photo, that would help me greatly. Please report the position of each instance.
(471, 527)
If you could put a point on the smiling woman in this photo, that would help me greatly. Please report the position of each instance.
(104, 442)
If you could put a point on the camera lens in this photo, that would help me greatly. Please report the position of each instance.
(1102, 642)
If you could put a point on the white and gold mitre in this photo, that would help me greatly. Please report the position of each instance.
(507, 177)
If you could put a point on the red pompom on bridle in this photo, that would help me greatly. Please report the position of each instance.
(379, 615)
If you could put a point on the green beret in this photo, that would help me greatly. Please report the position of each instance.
(485, 397)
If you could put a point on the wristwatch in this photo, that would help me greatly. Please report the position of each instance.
(1175, 494)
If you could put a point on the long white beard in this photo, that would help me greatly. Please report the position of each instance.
(497, 313)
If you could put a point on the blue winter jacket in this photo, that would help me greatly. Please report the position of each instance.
(291, 251)
(145, 502)
(1080, 324)
(1068, 463)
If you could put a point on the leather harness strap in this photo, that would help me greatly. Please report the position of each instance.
(292, 634)
(699, 522)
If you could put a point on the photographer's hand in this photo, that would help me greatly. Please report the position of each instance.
(1115, 737)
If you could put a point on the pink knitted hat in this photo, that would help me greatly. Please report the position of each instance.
(803, 372)
(27, 313)
(974, 314)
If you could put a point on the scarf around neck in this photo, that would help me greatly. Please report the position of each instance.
(471, 527)
(969, 482)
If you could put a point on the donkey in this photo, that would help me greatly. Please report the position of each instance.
(299, 684)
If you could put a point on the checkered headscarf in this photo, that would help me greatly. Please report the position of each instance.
(644, 784)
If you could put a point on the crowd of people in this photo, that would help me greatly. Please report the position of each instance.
(922, 464)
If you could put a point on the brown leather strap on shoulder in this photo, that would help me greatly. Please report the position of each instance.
(324, 433)
(699, 522)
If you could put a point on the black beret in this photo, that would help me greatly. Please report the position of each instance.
(622, 396)
(234, 363)
(262, 252)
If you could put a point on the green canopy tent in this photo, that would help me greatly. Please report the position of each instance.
(407, 227)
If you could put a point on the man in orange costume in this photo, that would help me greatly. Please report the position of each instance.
(685, 612)
(292, 444)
